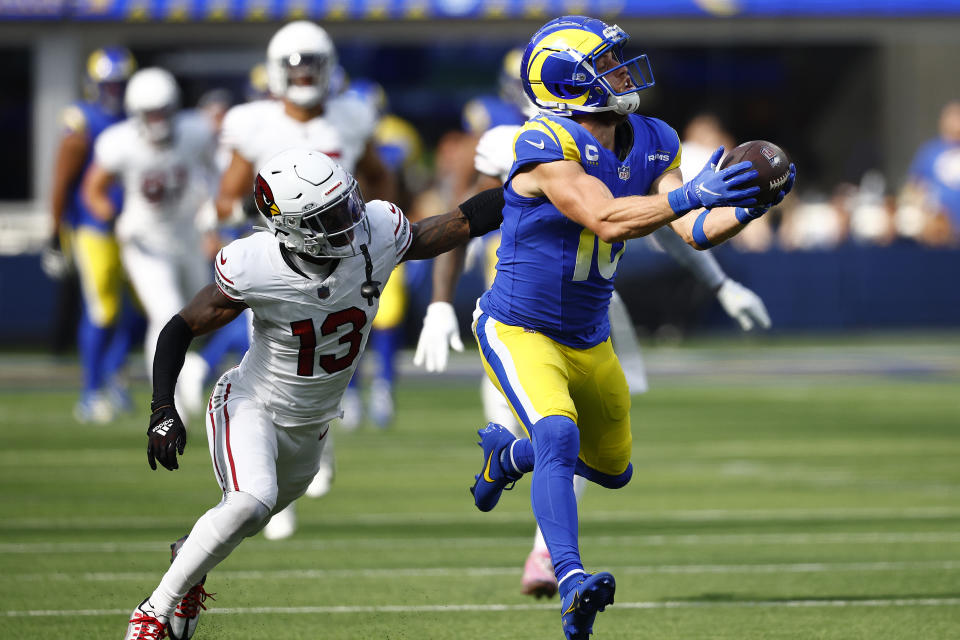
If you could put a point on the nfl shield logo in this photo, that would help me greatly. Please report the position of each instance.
(624, 172)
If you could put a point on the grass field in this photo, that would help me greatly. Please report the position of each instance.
(783, 492)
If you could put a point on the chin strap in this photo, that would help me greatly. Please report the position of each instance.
(371, 288)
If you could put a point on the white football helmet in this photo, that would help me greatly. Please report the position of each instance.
(152, 97)
(300, 60)
(312, 205)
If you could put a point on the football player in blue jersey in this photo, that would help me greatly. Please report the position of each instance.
(588, 174)
(106, 327)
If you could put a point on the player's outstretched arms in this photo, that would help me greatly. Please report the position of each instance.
(710, 227)
(166, 434)
(587, 201)
(234, 186)
(96, 192)
(438, 234)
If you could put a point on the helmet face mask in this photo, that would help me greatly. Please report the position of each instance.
(331, 224)
(561, 74)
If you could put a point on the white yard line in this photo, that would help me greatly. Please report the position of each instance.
(400, 519)
(455, 608)
(474, 572)
(720, 539)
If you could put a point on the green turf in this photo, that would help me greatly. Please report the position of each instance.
(802, 507)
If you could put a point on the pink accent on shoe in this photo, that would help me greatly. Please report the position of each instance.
(538, 579)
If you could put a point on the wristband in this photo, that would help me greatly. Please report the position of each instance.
(744, 216)
(698, 235)
(679, 201)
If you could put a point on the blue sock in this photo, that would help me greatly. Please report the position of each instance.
(556, 442)
(128, 332)
(386, 342)
(92, 342)
(518, 456)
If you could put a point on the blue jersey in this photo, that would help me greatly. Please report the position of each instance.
(554, 275)
(937, 165)
(87, 119)
(487, 112)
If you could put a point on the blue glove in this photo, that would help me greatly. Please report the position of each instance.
(711, 188)
(746, 215)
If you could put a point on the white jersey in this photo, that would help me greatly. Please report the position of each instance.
(163, 185)
(307, 334)
(261, 129)
(494, 154)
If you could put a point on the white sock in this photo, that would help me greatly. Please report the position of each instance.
(579, 486)
(217, 533)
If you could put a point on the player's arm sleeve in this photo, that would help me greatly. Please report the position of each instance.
(108, 150)
(228, 274)
(540, 141)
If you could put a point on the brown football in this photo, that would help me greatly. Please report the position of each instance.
(770, 161)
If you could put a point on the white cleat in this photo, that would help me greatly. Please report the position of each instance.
(381, 403)
(282, 524)
(183, 623)
(145, 624)
(94, 408)
(321, 483)
(352, 409)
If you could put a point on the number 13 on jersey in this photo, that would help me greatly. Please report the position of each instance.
(606, 261)
(330, 363)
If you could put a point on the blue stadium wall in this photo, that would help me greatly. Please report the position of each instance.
(853, 289)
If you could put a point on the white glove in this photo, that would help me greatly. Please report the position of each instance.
(743, 305)
(440, 332)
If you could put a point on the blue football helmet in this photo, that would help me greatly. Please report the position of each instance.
(108, 70)
(559, 68)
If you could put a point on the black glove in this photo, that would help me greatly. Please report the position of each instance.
(166, 438)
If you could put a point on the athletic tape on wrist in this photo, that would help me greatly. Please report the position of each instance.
(698, 234)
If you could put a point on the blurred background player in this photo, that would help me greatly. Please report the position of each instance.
(300, 62)
(934, 181)
(163, 159)
(107, 326)
(493, 159)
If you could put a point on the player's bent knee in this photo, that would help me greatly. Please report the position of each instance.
(556, 437)
(241, 516)
(606, 480)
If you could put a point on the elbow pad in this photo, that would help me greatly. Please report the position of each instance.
(484, 211)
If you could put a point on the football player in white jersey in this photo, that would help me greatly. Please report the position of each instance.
(300, 61)
(313, 282)
(163, 159)
(492, 160)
